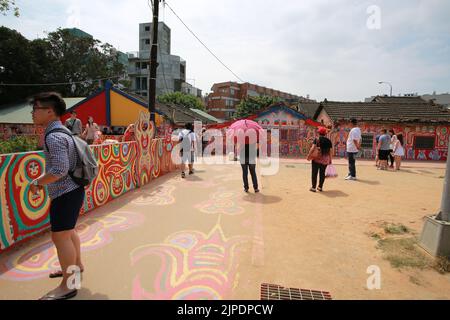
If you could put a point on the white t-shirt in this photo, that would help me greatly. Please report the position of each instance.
(186, 135)
(355, 134)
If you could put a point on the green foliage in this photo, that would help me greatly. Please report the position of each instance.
(183, 99)
(391, 228)
(403, 253)
(60, 58)
(19, 144)
(126, 84)
(7, 5)
(252, 105)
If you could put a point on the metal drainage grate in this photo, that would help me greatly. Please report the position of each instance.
(276, 292)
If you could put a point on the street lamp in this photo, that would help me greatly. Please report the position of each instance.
(381, 82)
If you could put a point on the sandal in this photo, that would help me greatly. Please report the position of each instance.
(319, 189)
(68, 295)
(58, 274)
(312, 190)
(183, 175)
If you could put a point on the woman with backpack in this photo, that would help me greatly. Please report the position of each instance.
(321, 157)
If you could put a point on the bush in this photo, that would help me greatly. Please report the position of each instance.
(19, 144)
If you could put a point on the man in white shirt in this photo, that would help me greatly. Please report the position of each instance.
(188, 141)
(353, 147)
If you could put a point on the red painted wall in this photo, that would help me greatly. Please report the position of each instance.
(95, 107)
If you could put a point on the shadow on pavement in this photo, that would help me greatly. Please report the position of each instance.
(261, 198)
(193, 178)
(371, 182)
(334, 194)
(86, 294)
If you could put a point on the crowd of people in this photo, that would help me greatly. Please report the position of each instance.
(67, 195)
(389, 148)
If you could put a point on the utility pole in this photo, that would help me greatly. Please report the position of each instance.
(445, 204)
(153, 62)
(435, 237)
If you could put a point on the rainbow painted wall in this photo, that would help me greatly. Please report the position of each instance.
(122, 168)
(297, 134)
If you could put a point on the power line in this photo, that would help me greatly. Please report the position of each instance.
(150, 5)
(53, 84)
(204, 45)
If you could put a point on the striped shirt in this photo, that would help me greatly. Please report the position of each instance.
(60, 158)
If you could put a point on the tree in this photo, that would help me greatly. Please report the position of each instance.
(81, 60)
(183, 99)
(7, 5)
(252, 105)
(60, 58)
(16, 61)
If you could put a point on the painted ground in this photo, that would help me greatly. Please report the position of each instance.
(203, 237)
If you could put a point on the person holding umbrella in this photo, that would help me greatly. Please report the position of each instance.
(247, 131)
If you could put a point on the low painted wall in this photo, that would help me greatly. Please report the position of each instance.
(439, 132)
(122, 168)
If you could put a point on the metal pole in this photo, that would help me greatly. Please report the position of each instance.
(153, 62)
(384, 82)
(445, 204)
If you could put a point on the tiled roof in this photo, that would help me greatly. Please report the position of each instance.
(375, 111)
(309, 108)
(207, 115)
(393, 99)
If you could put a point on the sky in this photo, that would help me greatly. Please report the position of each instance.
(334, 49)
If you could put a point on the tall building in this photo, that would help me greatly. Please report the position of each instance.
(78, 33)
(171, 70)
(226, 96)
(190, 89)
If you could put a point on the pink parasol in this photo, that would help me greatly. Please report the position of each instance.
(244, 126)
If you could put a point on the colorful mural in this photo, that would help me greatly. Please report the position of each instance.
(440, 133)
(193, 266)
(296, 131)
(297, 134)
(122, 167)
(39, 260)
(160, 196)
(221, 202)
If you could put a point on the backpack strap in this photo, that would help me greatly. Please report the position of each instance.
(61, 130)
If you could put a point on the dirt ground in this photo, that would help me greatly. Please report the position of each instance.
(203, 237)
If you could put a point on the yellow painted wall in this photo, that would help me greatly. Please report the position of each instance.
(125, 111)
